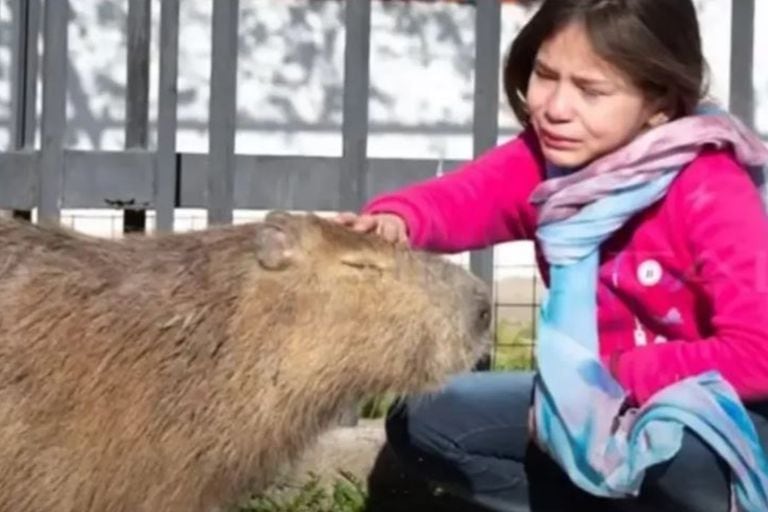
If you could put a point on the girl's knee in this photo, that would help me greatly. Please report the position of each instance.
(414, 431)
(425, 451)
(440, 423)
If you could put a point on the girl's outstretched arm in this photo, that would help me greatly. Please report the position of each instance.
(479, 204)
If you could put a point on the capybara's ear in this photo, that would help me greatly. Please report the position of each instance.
(275, 247)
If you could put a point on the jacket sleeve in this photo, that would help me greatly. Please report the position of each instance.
(479, 204)
(727, 236)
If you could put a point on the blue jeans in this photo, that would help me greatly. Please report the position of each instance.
(472, 440)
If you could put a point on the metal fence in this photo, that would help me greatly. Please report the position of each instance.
(51, 177)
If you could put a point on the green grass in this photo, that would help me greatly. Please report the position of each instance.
(347, 494)
(376, 407)
(514, 347)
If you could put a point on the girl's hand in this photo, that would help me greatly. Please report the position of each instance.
(388, 226)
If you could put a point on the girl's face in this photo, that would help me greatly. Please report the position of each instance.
(581, 107)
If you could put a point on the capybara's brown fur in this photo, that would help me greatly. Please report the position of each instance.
(176, 372)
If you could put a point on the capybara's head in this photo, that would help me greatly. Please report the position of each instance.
(388, 317)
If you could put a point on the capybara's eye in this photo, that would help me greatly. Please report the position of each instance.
(484, 317)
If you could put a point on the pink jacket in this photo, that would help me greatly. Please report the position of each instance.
(683, 286)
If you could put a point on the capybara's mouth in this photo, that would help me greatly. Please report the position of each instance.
(483, 348)
(479, 349)
(474, 350)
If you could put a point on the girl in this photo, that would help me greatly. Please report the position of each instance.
(682, 285)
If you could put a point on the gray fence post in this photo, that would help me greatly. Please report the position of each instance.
(26, 29)
(137, 74)
(221, 169)
(53, 123)
(486, 102)
(137, 96)
(742, 88)
(166, 163)
(354, 160)
(486, 105)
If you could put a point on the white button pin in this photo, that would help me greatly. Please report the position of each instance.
(649, 273)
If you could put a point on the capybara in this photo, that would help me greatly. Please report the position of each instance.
(177, 372)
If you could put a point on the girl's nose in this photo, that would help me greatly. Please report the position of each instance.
(559, 105)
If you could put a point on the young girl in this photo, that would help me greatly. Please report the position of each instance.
(682, 285)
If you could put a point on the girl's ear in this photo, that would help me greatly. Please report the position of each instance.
(658, 119)
(660, 111)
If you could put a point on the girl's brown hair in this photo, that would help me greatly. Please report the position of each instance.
(656, 43)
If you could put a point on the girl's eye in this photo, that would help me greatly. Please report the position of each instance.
(542, 74)
(592, 93)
